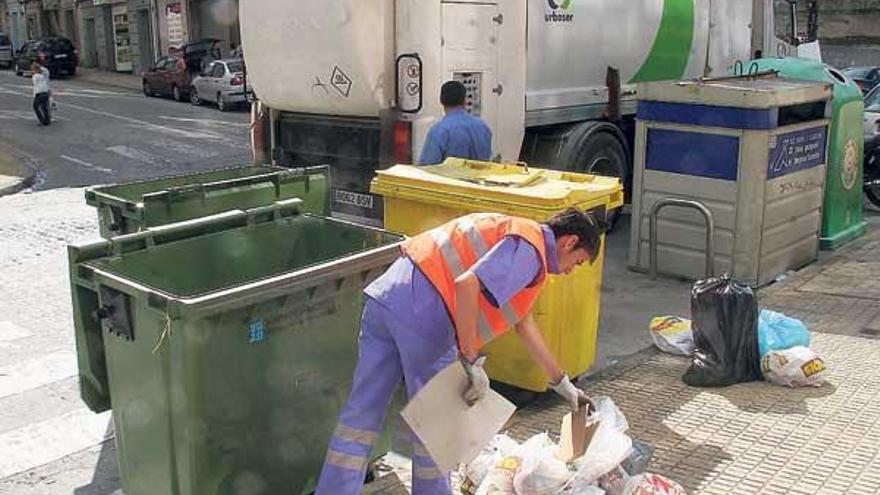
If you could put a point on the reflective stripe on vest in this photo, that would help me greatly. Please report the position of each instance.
(443, 259)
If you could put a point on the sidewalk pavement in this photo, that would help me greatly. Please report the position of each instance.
(752, 438)
(105, 78)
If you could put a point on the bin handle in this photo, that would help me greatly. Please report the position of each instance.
(159, 235)
(219, 187)
(278, 210)
(682, 203)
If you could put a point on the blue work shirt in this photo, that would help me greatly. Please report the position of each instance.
(459, 135)
(404, 290)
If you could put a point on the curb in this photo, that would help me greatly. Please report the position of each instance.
(20, 167)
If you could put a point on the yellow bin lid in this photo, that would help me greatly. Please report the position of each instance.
(513, 188)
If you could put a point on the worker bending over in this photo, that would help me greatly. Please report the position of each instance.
(455, 288)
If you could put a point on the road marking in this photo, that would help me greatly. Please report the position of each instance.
(206, 121)
(139, 123)
(13, 115)
(136, 154)
(87, 164)
(41, 443)
(23, 376)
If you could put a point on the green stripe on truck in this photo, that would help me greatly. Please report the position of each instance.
(669, 55)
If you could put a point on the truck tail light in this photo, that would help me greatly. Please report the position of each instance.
(237, 81)
(402, 142)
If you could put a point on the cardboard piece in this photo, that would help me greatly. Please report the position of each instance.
(451, 431)
(576, 434)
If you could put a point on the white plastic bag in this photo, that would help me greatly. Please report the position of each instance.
(652, 484)
(475, 471)
(609, 446)
(672, 334)
(577, 488)
(795, 367)
(499, 479)
(541, 473)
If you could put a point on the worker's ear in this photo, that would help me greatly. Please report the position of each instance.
(570, 242)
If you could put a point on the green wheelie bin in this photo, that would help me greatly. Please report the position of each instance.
(224, 345)
(842, 212)
(132, 207)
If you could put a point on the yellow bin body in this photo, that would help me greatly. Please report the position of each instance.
(421, 198)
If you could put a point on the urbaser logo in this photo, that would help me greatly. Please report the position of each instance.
(559, 11)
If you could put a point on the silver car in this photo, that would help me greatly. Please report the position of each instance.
(222, 82)
(6, 55)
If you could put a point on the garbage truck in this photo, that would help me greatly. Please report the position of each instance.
(354, 84)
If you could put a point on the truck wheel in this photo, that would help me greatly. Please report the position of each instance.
(595, 148)
(176, 94)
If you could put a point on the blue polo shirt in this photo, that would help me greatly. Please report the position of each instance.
(459, 135)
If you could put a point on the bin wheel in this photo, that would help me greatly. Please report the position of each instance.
(597, 148)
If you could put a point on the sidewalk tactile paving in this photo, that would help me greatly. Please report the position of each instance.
(757, 437)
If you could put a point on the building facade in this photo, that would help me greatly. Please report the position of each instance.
(122, 35)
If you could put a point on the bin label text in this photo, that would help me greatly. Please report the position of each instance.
(795, 151)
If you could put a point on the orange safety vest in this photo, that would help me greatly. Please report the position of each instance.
(444, 253)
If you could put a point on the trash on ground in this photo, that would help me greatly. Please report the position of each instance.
(725, 321)
(505, 467)
(652, 484)
(778, 332)
(795, 367)
(499, 479)
(576, 433)
(541, 471)
(639, 458)
(673, 334)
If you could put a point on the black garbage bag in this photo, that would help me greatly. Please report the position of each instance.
(725, 326)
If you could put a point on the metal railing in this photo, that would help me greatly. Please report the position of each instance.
(682, 203)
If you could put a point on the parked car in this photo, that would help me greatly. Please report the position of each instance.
(172, 75)
(168, 77)
(6, 52)
(866, 77)
(222, 82)
(54, 53)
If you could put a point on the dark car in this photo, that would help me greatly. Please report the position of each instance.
(866, 77)
(55, 53)
(6, 51)
(172, 75)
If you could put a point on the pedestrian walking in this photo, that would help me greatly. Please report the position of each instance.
(458, 134)
(454, 289)
(42, 93)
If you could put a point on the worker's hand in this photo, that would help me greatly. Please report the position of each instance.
(478, 380)
(573, 395)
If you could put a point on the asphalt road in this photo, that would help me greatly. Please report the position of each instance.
(102, 134)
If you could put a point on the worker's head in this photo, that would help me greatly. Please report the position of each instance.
(578, 238)
(452, 95)
(35, 66)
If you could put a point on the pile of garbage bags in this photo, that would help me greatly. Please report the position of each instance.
(613, 464)
(731, 340)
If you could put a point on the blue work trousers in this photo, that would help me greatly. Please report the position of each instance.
(391, 347)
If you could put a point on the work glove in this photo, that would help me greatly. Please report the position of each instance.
(573, 395)
(478, 380)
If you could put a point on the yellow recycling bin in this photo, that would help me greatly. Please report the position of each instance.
(421, 198)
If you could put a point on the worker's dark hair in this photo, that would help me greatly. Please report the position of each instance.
(585, 225)
(452, 94)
